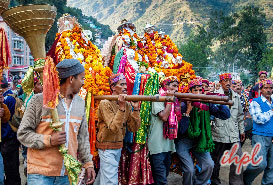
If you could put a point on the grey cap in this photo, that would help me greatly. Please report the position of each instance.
(69, 67)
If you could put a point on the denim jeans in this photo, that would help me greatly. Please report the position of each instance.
(205, 162)
(1, 170)
(160, 164)
(266, 165)
(37, 179)
(109, 162)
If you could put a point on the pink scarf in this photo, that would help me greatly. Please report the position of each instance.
(170, 127)
(122, 64)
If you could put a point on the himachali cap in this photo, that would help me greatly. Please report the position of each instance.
(233, 81)
(262, 72)
(114, 78)
(225, 76)
(212, 83)
(205, 81)
(239, 81)
(169, 79)
(195, 82)
(264, 82)
(69, 67)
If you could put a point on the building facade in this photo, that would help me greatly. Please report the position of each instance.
(20, 52)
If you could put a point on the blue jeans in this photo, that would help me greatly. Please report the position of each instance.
(266, 165)
(161, 167)
(205, 162)
(1, 170)
(37, 179)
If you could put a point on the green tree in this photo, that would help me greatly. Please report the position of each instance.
(250, 37)
(238, 39)
(267, 62)
(194, 53)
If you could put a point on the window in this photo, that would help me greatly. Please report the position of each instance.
(17, 44)
(17, 60)
(31, 61)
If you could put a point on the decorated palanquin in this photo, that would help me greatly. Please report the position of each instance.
(143, 61)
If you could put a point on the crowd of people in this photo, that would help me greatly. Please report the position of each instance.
(198, 133)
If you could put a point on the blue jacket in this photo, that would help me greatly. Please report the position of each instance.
(265, 128)
(6, 130)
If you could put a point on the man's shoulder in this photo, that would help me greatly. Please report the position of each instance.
(258, 100)
(79, 99)
(105, 102)
(37, 97)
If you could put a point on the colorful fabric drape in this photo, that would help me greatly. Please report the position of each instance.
(90, 117)
(129, 136)
(145, 111)
(28, 81)
(200, 129)
(122, 64)
(51, 85)
(117, 61)
(130, 75)
(5, 54)
(92, 127)
(135, 167)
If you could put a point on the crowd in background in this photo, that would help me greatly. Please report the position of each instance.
(240, 117)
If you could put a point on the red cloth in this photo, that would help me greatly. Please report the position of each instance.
(135, 166)
(51, 85)
(51, 53)
(5, 55)
(130, 76)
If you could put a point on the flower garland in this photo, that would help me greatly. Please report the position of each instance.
(73, 45)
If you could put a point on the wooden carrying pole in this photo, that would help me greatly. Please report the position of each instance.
(200, 97)
(230, 103)
(156, 98)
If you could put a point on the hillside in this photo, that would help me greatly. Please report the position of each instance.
(175, 17)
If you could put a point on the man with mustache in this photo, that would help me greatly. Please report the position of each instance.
(245, 104)
(228, 132)
(261, 110)
(113, 119)
(45, 162)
